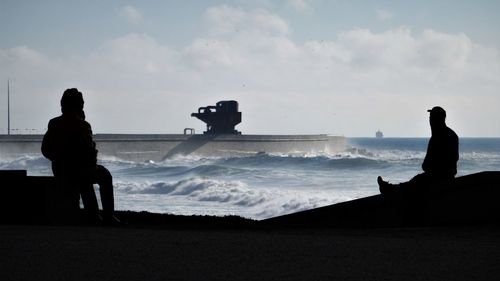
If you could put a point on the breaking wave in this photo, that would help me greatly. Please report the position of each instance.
(258, 203)
(35, 165)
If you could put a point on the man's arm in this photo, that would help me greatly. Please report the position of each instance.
(47, 143)
(92, 151)
(426, 165)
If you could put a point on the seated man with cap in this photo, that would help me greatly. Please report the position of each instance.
(440, 163)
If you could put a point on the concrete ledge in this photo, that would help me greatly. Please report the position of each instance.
(31, 199)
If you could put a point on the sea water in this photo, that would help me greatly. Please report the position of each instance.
(260, 185)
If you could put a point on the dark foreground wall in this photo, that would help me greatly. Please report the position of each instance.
(292, 250)
(29, 200)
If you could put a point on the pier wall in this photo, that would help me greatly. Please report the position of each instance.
(160, 147)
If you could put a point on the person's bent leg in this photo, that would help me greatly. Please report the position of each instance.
(68, 199)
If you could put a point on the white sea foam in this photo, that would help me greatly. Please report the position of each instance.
(35, 165)
(236, 196)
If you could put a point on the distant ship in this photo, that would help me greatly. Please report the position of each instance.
(220, 139)
(379, 134)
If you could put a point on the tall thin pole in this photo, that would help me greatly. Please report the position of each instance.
(8, 107)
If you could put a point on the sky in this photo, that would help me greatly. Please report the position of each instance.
(342, 67)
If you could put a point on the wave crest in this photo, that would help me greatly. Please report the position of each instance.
(257, 203)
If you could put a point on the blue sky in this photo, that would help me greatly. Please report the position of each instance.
(342, 67)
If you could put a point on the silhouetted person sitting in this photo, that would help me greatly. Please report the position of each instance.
(69, 145)
(440, 163)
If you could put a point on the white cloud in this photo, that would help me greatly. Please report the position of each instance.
(302, 6)
(383, 15)
(227, 20)
(352, 84)
(131, 14)
(134, 53)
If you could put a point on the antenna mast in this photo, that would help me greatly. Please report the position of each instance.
(8, 107)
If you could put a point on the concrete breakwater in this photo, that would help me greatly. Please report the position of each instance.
(157, 147)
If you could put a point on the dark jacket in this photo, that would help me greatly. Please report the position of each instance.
(442, 154)
(68, 143)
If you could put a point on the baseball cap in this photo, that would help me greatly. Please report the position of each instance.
(438, 111)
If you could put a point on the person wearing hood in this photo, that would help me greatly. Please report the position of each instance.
(69, 145)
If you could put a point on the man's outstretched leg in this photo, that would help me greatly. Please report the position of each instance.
(397, 191)
(385, 187)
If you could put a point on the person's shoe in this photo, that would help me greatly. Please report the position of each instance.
(91, 219)
(111, 221)
(383, 186)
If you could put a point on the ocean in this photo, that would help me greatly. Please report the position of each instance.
(260, 185)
